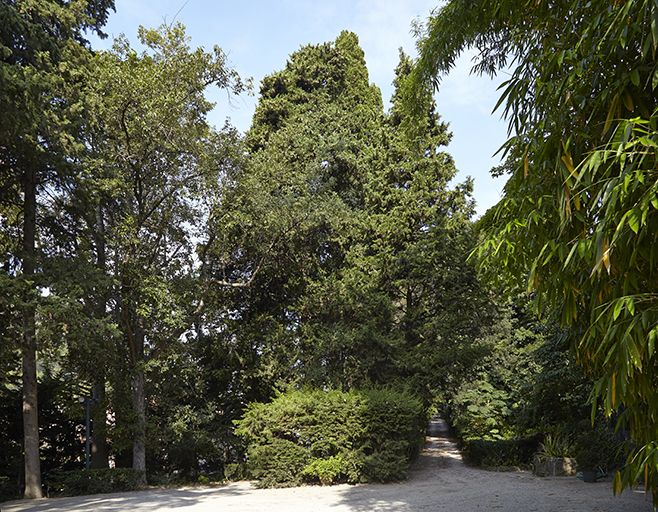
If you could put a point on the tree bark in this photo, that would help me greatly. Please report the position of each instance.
(30, 401)
(138, 385)
(31, 425)
(99, 449)
(139, 408)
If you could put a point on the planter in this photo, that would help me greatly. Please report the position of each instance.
(589, 476)
(555, 466)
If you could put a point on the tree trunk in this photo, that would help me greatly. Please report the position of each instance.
(99, 449)
(139, 408)
(134, 332)
(31, 424)
(30, 402)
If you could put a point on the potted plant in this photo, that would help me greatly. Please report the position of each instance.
(555, 457)
(588, 462)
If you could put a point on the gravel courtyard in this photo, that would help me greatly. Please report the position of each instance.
(440, 481)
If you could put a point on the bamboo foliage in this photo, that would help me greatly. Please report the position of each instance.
(579, 218)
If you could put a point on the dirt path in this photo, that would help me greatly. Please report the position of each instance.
(439, 481)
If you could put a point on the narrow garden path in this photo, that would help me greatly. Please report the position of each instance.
(438, 481)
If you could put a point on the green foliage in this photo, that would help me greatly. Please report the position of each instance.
(327, 471)
(93, 481)
(579, 217)
(61, 422)
(598, 442)
(43, 64)
(235, 472)
(556, 446)
(588, 460)
(489, 404)
(190, 422)
(311, 435)
(11, 449)
(558, 397)
(370, 280)
(187, 277)
(481, 411)
(278, 464)
(146, 213)
(8, 490)
(501, 452)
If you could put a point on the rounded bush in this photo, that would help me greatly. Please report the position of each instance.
(329, 436)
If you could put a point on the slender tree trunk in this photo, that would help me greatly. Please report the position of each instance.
(31, 423)
(99, 449)
(138, 385)
(30, 402)
(139, 408)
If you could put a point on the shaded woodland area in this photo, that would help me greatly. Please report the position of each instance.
(202, 286)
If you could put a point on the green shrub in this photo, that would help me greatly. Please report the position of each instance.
(506, 452)
(327, 471)
(588, 460)
(327, 436)
(278, 464)
(236, 472)
(601, 440)
(9, 489)
(93, 481)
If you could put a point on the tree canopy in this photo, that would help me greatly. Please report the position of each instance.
(42, 65)
(158, 168)
(578, 221)
(375, 279)
(175, 272)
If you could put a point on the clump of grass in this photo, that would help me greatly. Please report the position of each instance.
(556, 446)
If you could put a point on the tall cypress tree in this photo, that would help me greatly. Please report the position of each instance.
(42, 53)
(375, 279)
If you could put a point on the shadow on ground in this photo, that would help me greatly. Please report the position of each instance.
(138, 501)
(440, 481)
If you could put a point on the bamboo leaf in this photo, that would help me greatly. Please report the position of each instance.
(606, 254)
(611, 113)
(617, 311)
(635, 77)
(568, 162)
(628, 101)
(654, 26)
(634, 222)
(613, 390)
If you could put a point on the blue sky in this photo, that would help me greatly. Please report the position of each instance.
(258, 37)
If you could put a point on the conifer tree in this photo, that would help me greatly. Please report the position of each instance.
(43, 58)
(375, 279)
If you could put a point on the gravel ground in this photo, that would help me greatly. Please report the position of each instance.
(439, 481)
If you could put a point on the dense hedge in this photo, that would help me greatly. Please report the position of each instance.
(93, 481)
(330, 436)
